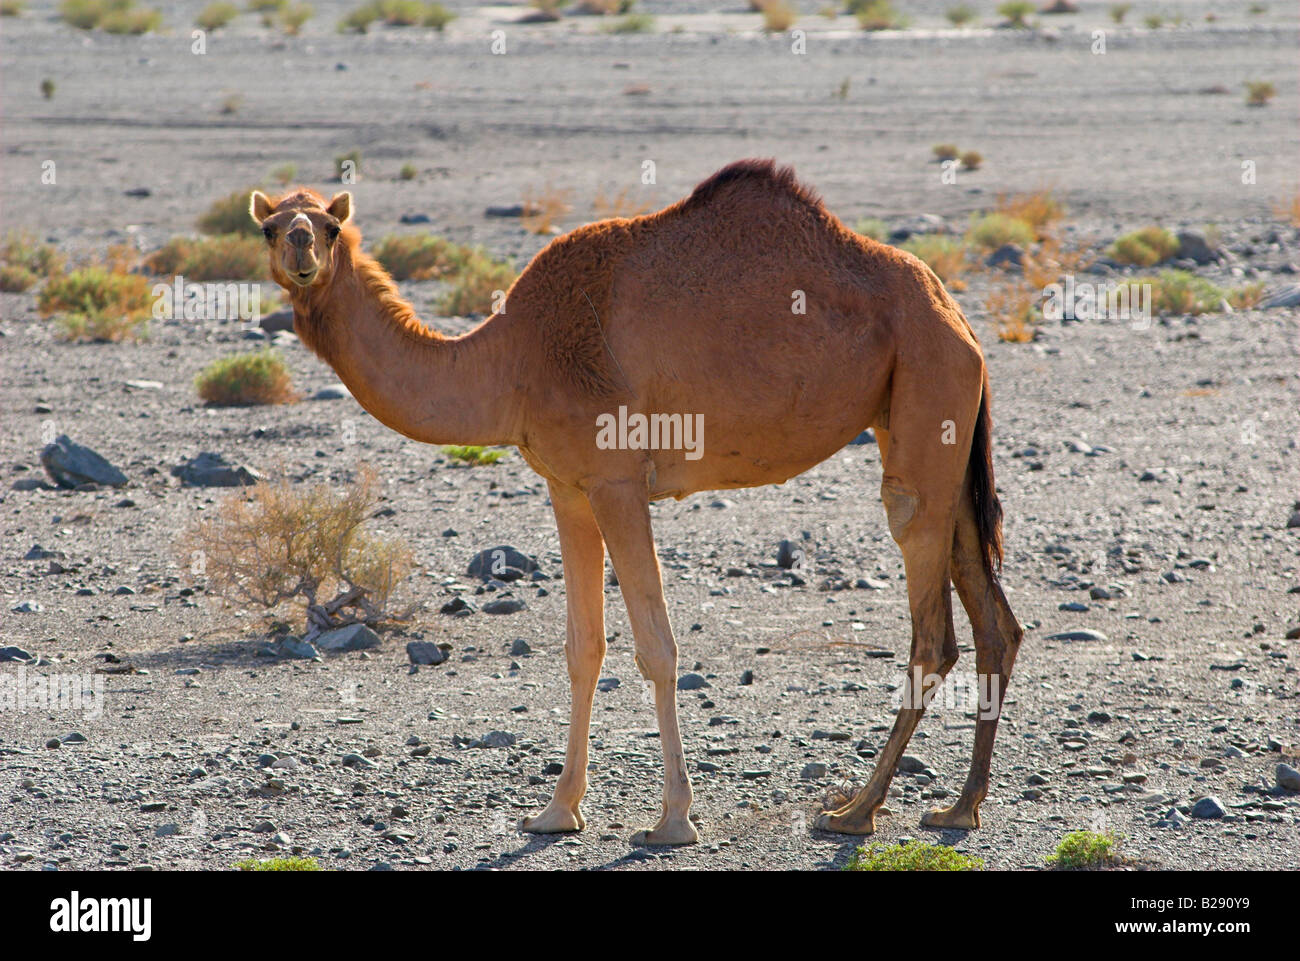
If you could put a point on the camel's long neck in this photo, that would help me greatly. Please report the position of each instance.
(436, 389)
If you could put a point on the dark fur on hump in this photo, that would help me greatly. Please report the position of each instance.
(762, 172)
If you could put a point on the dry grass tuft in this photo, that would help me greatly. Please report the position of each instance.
(944, 255)
(202, 259)
(98, 303)
(1013, 309)
(621, 204)
(542, 208)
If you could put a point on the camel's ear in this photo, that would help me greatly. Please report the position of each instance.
(340, 207)
(259, 206)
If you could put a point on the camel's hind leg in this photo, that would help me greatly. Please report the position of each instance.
(925, 445)
(584, 584)
(997, 640)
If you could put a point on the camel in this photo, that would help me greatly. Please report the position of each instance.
(694, 310)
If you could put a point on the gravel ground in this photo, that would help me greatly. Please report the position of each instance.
(1148, 475)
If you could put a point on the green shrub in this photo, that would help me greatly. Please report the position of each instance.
(216, 15)
(872, 227)
(1145, 248)
(278, 864)
(98, 303)
(1084, 849)
(991, 231)
(472, 455)
(244, 380)
(915, 856)
(229, 215)
(15, 278)
(1016, 11)
(202, 259)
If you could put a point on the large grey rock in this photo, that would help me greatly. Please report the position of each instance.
(1286, 297)
(504, 605)
(1194, 246)
(1082, 634)
(504, 563)
(213, 470)
(291, 646)
(425, 652)
(495, 739)
(14, 654)
(692, 682)
(70, 465)
(1288, 778)
(353, 637)
(1208, 808)
(281, 319)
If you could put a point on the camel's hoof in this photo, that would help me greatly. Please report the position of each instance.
(845, 824)
(953, 817)
(554, 820)
(667, 833)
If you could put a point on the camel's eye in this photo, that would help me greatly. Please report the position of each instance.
(331, 232)
(269, 233)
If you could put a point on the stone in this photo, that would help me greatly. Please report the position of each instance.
(1008, 255)
(519, 648)
(504, 563)
(504, 605)
(425, 653)
(71, 465)
(1081, 634)
(788, 554)
(910, 764)
(692, 682)
(1288, 778)
(1208, 808)
(356, 761)
(1288, 296)
(813, 771)
(213, 470)
(1192, 245)
(292, 646)
(353, 637)
(458, 607)
(281, 319)
(495, 739)
(333, 392)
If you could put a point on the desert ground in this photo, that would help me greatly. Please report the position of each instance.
(1147, 475)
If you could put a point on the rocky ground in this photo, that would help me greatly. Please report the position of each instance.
(1148, 475)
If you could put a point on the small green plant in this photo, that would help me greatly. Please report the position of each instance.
(545, 11)
(1016, 13)
(131, 20)
(1259, 93)
(971, 160)
(1084, 849)
(872, 227)
(960, 15)
(278, 864)
(991, 231)
(632, 23)
(474, 456)
(293, 16)
(877, 15)
(1154, 21)
(915, 856)
(1119, 11)
(231, 103)
(945, 151)
(216, 15)
(408, 172)
(246, 380)
(1144, 248)
(283, 175)
(47, 88)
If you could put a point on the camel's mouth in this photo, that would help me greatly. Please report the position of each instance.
(303, 278)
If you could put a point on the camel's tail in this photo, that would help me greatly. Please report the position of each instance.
(988, 510)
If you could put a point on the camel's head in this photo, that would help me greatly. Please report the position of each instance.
(301, 231)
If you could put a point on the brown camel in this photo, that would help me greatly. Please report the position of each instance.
(747, 303)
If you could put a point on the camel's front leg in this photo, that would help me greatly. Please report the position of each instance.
(623, 511)
(584, 585)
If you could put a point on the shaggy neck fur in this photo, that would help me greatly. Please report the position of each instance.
(433, 388)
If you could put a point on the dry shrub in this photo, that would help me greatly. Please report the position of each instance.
(1050, 262)
(245, 380)
(1040, 209)
(99, 303)
(229, 215)
(620, 204)
(971, 160)
(1145, 248)
(423, 256)
(15, 278)
(276, 543)
(778, 15)
(944, 255)
(21, 249)
(1012, 308)
(226, 257)
(477, 283)
(945, 151)
(1289, 211)
(542, 208)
